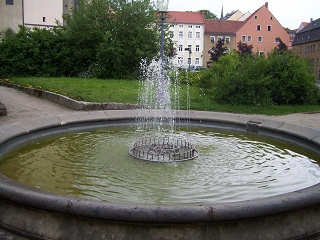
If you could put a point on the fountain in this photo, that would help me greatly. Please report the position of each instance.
(37, 213)
(159, 142)
(163, 146)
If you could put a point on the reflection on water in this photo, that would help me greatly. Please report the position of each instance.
(231, 167)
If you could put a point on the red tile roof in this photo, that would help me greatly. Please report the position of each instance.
(222, 26)
(186, 17)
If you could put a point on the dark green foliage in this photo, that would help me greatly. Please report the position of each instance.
(31, 53)
(282, 47)
(104, 38)
(257, 81)
(130, 38)
(218, 50)
(244, 49)
(293, 79)
(208, 14)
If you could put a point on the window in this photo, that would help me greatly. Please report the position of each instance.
(197, 48)
(189, 26)
(243, 38)
(198, 26)
(249, 38)
(220, 38)
(261, 54)
(258, 27)
(276, 40)
(212, 39)
(259, 39)
(197, 61)
(180, 25)
(189, 35)
(180, 35)
(256, 17)
(9, 2)
(189, 47)
(269, 28)
(227, 40)
(180, 60)
(43, 19)
(197, 35)
(180, 48)
(271, 18)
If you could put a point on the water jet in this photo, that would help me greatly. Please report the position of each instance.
(40, 214)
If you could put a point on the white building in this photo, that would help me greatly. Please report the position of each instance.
(188, 33)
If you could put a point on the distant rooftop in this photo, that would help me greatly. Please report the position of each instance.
(186, 17)
(310, 33)
(222, 26)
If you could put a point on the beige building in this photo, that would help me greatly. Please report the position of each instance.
(239, 16)
(307, 44)
(30, 13)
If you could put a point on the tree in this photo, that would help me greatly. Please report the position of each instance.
(208, 14)
(218, 50)
(282, 47)
(110, 37)
(244, 49)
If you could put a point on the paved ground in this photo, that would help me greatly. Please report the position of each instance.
(21, 106)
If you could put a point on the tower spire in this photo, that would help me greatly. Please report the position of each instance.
(221, 12)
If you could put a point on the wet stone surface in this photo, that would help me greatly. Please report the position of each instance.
(5, 235)
(3, 110)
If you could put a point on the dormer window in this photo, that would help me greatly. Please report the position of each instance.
(258, 27)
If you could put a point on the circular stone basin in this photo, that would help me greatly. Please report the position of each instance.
(94, 163)
(160, 211)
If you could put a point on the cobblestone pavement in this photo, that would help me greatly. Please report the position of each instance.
(21, 106)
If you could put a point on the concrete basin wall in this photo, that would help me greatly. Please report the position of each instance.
(37, 214)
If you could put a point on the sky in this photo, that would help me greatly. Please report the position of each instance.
(290, 13)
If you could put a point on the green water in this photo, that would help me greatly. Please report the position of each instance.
(231, 166)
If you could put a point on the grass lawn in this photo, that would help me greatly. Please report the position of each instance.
(126, 91)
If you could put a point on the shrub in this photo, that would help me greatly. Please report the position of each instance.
(281, 78)
(293, 81)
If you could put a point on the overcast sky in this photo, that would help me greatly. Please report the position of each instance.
(290, 13)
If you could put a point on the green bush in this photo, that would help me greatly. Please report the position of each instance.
(293, 81)
(281, 78)
(191, 78)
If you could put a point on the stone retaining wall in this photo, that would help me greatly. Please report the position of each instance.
(68, 102)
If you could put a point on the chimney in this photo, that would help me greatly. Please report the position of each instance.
(311, 20)
(266, 4)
